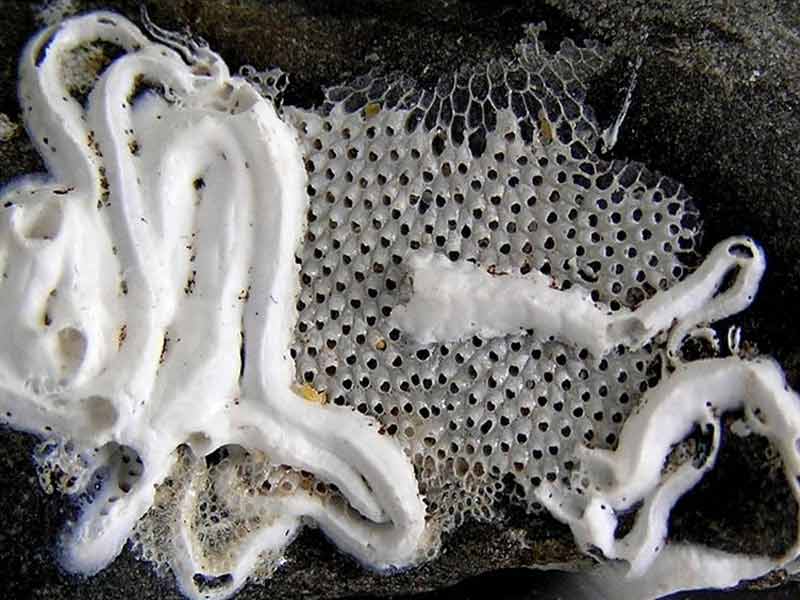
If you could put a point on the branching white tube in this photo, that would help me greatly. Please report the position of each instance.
(697, 394)
(153, 285)
(453, 301)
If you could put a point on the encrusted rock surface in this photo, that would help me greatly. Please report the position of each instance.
(717, 106)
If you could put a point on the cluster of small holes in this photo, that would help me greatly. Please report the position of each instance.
(494, 165)
(231, 488)
(154, 534)
(223, 519)
(270, 83)
(96, 476)
(59, 467)
(387, 179)
(100, 477)
(129, 469)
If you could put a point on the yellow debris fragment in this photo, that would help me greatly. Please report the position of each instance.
(546, 132)
(372, 109)
(310, 394)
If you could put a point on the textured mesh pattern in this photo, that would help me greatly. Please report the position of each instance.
(270, 83)
(495, 165)
(232, 491)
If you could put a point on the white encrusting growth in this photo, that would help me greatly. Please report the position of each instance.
(149, 295)
(696, 395)
(149, 290)
(677, 568)
(453, 301)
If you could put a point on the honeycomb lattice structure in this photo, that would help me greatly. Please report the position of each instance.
(231, 491)
(495, 165)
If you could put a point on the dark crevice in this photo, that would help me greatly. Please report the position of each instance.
(205, 582)
(743, 504)
(242, 354)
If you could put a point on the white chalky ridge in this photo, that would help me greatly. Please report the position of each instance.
(697, 393)
(454, 301)
(160, 247)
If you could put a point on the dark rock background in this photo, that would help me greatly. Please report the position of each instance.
(717, 106)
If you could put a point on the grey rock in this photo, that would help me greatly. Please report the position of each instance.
(717, 107)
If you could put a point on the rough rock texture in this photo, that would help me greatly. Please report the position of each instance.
(717, 106)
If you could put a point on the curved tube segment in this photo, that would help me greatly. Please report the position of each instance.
(155, 276)
(697, 394)
(453, 301)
